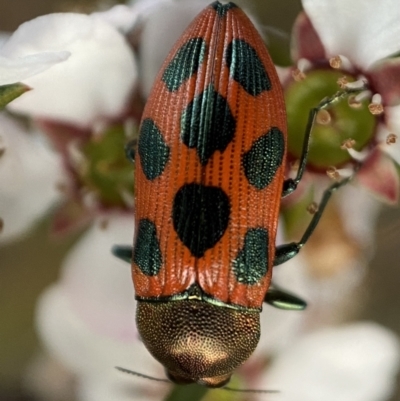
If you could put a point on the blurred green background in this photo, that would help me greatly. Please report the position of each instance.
(27, 266)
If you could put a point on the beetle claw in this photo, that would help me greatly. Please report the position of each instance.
(123, 252)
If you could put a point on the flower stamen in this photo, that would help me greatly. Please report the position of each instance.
(343, 82)
(348, 144)
(312, 208)
(391, 139)
(376, 107)
(323, 117)
(298, 75)
(335, 62)
(333, 173)
(353, 102)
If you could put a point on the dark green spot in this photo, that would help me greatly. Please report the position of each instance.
(251, 264)
(153, 151)
(207, 124)
(200, 216)
(222, 9)
(264, 158)
(146, 252)
(184, 64)
(246, 67)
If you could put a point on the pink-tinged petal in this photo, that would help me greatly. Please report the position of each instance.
(357, 362)
(305, 40)
(93, 85)
(385, 80)
(61, 135)
(363, 31)
(19, 69)
(70, 217)
(29, 174)
(391, 128)
(359, 216)
(379, 175)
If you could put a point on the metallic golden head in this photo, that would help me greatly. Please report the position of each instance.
(198, 342)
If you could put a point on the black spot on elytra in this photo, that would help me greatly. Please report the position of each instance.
(222, 9)
(146, 252)
(251, 264)
(184, 64)
(200, 216)
(207, 124)
(264, 158)
(153, 151)
(246, 67)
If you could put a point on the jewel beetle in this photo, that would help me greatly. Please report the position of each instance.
(210, 174)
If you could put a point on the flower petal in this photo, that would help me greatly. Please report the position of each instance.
(363, 31)
(120, 16)
(305, 40)
(86, 320)
(385, 79)
(392, 126)
(92, 85)
(166, 24)
(19, 69)
(357, 362)
(99, 285)
(29, 172)
(91, 355)
(379, 175)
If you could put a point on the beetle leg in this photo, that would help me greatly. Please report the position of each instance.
(287, 251)
(123, 252)
(130, 150)
(282, 299)
(290, 184)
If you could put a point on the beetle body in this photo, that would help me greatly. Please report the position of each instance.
(210, 169)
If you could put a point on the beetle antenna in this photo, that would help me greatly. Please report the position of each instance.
(238, 390)
(131, 372)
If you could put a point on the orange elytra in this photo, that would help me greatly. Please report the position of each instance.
(210, 166)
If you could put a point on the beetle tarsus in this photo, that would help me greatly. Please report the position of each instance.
(123, 252)
(285, 252)
(130, 150)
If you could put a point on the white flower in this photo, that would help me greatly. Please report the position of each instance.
(87, 320)
(357, 362)
(164, 25)
(29, 173)
(91, 86)
(365, 36)
(364, 32)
